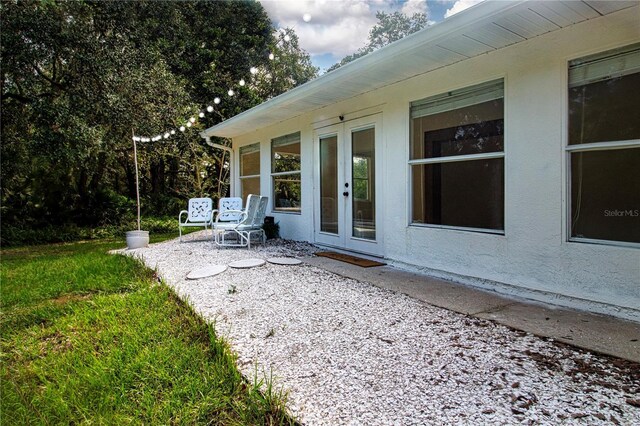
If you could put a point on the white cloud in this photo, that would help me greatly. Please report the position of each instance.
(338, 27)
(412, 7)
(459, 6)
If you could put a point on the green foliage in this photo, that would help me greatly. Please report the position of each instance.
(290, 67)
(87, 335)
(17, 236)
(79, 77)
(390, 27)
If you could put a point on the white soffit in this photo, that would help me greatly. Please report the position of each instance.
(483, 28)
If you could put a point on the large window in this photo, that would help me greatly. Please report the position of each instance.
(250, 170)
(604, 146)
(285, 173)
(457, 158)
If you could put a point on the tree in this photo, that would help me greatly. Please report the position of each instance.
(73, 86)
(77, 77)
(390, 27)
(290, 67)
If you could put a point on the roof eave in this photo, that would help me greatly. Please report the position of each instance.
(485, 11)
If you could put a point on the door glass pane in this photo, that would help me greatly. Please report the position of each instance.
(329, 184)
(605, 195)
(363, 184)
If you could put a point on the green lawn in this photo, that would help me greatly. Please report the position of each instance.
(93, 338)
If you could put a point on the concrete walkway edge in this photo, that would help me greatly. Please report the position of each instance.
(599, 333)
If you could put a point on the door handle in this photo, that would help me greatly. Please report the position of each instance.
(345, 193)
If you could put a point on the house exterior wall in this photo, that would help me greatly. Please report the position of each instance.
(533, 258)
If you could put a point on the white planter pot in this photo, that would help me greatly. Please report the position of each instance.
(137, 239)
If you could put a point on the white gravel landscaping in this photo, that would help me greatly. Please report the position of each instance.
(351, 353)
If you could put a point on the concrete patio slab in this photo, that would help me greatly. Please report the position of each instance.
(435, 291)
(599, 333)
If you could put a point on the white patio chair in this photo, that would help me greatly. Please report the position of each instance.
(199, 214)
(222, 229)
(228, 209)
(258, 221)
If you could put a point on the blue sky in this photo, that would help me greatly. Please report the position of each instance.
(340, 27)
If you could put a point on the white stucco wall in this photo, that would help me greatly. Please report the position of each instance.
(533, 258)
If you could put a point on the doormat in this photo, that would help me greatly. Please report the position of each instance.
(365, 263)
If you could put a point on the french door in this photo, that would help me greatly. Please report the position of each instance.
(347, 186)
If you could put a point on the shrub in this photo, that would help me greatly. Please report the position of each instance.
(26, 235)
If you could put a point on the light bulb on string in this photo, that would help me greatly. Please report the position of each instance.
(192, 120)
(182, 128)
(209, 108)
(136, 139)
(173, 132)
(253, 70)
(242, 82)
(287, 38)
(230, 92)
(189, 124)
(272, 56)
(201, 115)
(166, 135)
(216, 101)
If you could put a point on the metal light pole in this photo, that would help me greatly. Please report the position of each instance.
(135, 161)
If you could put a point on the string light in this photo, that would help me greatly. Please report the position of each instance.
(242, 82)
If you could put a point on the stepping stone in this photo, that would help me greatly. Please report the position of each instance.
(207, 271)
(284, 261)
(246, 263)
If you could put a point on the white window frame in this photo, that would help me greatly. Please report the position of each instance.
(585, 77)
(252, 148)
(288, 139)
(455, 159)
